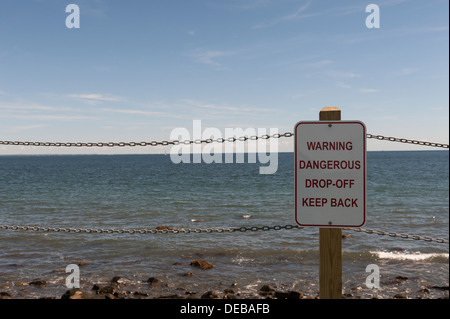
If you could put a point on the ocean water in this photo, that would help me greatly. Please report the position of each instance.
(407, 192)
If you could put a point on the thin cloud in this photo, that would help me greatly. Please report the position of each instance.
(94, 97)
(294, 16)
(209, 56)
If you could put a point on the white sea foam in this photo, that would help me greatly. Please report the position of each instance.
(403, 255)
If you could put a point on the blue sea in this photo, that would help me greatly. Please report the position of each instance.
(407, 192)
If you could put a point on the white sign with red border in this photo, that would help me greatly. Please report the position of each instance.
(330, 173)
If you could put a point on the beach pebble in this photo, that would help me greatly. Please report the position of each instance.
(39, 283)
(202, 264)
(210, 295)
(155, 282)
(75, 293)
(266, 290)
(5, 295)
(84, 263)
(21, 283)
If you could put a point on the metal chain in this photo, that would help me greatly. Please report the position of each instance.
(205, 141)
(161, 230)
(152, 143)
(404, 140)
(167, 230)
(400, 235)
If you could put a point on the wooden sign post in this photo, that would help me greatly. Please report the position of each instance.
(330, 187)
(330, 268)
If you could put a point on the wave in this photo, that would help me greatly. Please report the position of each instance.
(413, 256)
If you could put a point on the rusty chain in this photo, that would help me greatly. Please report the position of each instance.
(206, 141)
(167, 230)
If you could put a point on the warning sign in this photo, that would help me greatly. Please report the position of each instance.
(330, 173)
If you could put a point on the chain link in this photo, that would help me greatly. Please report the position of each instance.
(404, 140)
(161, 230)
(152, 143)
(164, 230)
(206, 141)
(399, 235)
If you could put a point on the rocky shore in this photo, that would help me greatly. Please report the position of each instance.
(120, 287)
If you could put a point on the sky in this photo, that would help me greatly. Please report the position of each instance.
(136, 70)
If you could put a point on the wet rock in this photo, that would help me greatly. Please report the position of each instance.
(84, 263)
(39, 283)
(424, 291)
(202, 264)
(21, 283)
(401, 278)
(5, 295)
(266, 290)
(76, 293)
(210, 295)
(109, 289)
(155, 282)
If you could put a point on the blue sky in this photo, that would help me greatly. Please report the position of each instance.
(135, 70)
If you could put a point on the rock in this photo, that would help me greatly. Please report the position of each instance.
(266, 290)
(21, 283)
(229, 291)
(424, 291)
(202, 264)
(76, 293)
(110, 289)
(5, 295)
(155, 282)
(188, 274)
(288, 295)
(39, 283)
(84, 263)
(400, 296)
(210, 295)
(401, 278)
